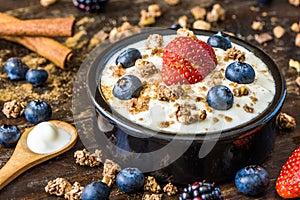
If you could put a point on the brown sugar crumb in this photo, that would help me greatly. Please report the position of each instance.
(217, 13)
(198, 12)
(241, 91)
(123, 31)
(152, 196)
(85, 158)
(248, 108)
(234, 54)
(75, 192)
(151, 185)
(172, 2)
(58, 187)
(14, 109)
(170, 189)
(294, 2)
(118, 71)
(154, 41)
(201, 24)
(228, 119)
(136, 105)
(278, 31)
(285, 121)
(257, 25)
(146, 68)
(110, 170)
(166, 94)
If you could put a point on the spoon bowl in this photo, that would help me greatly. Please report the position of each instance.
(23, 158)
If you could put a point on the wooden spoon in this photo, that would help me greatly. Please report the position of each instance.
(23, 158)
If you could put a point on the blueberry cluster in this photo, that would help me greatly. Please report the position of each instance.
(17, 70)
(90, 5)
(201, 191)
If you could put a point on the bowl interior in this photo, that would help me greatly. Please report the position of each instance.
(105, 51)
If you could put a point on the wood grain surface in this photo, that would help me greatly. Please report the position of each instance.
(239, 17)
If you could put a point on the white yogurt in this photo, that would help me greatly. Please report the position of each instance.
(262, 90)
(46, 138)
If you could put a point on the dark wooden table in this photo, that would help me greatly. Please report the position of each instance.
(58, 92)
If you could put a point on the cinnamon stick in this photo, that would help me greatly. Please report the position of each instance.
(56, 27)
(46, 47)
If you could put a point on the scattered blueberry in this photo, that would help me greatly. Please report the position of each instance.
(37, 111)
(252, 180)
(130, 180)
(175, 26)
(201, 191)
(220, 97)
(90, 5)
(15, 68)
(127, 87)
(37, 77)
(240, 72)
(9, 135)
(95, 191)
(219, 41)
(128, 57)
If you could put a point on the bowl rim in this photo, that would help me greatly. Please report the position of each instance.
(102, 53)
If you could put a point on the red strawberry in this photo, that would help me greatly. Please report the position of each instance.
(187, 60)
(288, 182)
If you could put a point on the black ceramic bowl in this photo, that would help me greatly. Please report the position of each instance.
(222, 154)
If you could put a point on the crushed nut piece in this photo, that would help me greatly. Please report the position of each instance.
(154, 10)
(172, 2)
(295, 27)
(294, 64)
(201, 24)
(154, 41)
(75, 192)
(297, 40)
(185, 32)
(278, 31)
(151, 185)
(262, 38)
(126, 29)
(183, 21)
(59, 186)
(185, 116)
(166, 94)
(136, 105)
(46, 3)
(14, 109)
(217, 13)
(118, 71)
(285, 121)
(257, 26)
(146, 18)
(248, 108)
(241, 91)
(146, 68)
(152, 197)
(234, 54)
(198, 12)
(85, 158)
(170, 189)
(294, 2)
(110, 170)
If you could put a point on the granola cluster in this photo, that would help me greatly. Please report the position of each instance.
(85, 158)
(14, 109)
(110, 170)
(285, 121)
(170, 189)
(148, 16)
(234, 54)
(152, 196)
(188, 114)
(151, 185)
(146, 68)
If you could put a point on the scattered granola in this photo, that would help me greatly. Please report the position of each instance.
(294, 2)
(85, 158)
(198, 12)
(241, 91)
(201, 24)
(126, 29)
(234, 54)
(185, 32)
(297, 40)
(147, 196)
(46, 3)
(183, 21)
(278, 31)
(14, 109)
(248, 109)
(148, 17)
(172, 2)
(154, 41)
(136, 105)
(151, 185)
(98, 38)
(75, 192)
(166, 94)
(285, 121)
(217, 13)
(118, 71)
(58, 187)
(257, 25)
(295, 27)
(262, 38)
(110, 170)
(187, 114)
(294, 64)
(154, 10)
(170, 189)
(146, 68)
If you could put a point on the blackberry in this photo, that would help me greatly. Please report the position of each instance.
(90, 5)
(201, 191)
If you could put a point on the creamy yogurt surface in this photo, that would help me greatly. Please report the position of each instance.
(46, 138)
(162, 115)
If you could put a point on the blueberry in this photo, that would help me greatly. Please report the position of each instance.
(95, 191)
(240, 72)
(130, 179)
(220, 97)
(15, 69)
(128, 57)
(252, 180)
(175, 26)
(37, 111)
(127, 87)
(9, 135)
(219, 41)
(37, 77)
